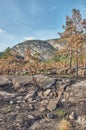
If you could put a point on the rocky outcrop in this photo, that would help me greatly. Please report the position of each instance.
(41, 103)
(57, 43)
(42, 48)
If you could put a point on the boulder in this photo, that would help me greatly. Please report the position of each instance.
(52, 105)
(5, 82)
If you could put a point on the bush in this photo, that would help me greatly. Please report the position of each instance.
(6, 53)
(64, 125)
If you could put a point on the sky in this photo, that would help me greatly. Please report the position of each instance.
(22, 20)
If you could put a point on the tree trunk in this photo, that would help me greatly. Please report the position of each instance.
(76, 63)
(70, 60)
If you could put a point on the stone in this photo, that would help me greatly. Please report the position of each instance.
(7, 94)
(1, 128)
(29, 100)
(50, 115)
(44, 102)
(42, 108)
(72, 116)
(44, 114)
(4, 81)
(52, 105)
(40, 94)
(7, 109)
(19, 101)
(30, 94)
(50, 84)
(82, 121)
(31, 117)
(31, 107)
(11, 102)
(16, 84)
(18, 107)
(19, 97)
(47, 92)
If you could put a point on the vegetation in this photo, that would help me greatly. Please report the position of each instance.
(6, 53)
(64, 125)
(73, 34)
(61, 113)
(71, 57)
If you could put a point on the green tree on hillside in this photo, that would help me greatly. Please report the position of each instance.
(6, 53)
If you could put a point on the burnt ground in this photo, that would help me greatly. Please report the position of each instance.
(41, 103)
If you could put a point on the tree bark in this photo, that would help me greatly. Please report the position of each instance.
(76, 63)
(70, 60)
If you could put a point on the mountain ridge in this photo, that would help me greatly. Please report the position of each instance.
(40, 47)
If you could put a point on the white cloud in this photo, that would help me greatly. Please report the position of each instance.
(2, 31)
(28, 38)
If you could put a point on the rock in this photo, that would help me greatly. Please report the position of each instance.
(72, 116)
(21, 81)
(46, 93)
(7, 109)
(19, 101)
(52, 105)
(19, 97)
(18, 107)
(6, 94)
(44, 102)
(43, 105)
(29, 100)
(43, 48)
(50, 84)
(41, 108)
(82, 121)
(35, 126)
(5, 84)
(31, 107)
(40, 94)
(30, 94)
(11, 102)
(6, 97)
(16, 84)
(31, 117)
(1, 128)
(50, 115)
(4, 81)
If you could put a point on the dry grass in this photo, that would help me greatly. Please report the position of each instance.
(64, 125)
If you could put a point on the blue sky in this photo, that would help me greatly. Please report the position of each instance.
(22, 20)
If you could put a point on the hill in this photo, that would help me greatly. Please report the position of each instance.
(42, 48)
(57, 43)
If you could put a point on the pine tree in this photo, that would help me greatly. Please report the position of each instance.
(73, 35)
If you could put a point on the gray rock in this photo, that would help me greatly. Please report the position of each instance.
(72, 116)
(82, 121)
(51, 83)
(50, 116)
(52, 105)
(30, 94)
(4, 81)
(43, 48)
(47, 92)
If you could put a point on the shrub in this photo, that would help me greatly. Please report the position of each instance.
(64, 125)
